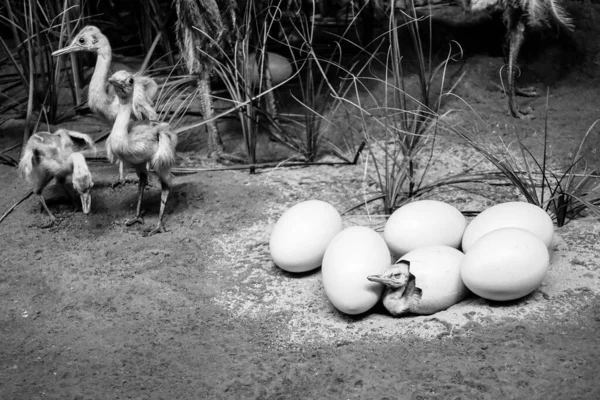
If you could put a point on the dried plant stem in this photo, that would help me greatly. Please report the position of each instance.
(26, 132)
(15, 205)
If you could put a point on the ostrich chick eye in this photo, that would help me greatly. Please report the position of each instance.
(130, 81)
(81, 40)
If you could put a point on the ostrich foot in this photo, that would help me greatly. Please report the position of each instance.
(526, 113)
(121, 182)
(136, 220)
(530, 91)
(160, 228)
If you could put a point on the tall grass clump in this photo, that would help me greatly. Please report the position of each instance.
(35, 27)
(563, 195)
(326, 75)
(403, 121)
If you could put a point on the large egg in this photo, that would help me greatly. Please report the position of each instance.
(515, 214)
(424, 223)
(505, 264)
(280, 68)
(437, 274)
(352, 255)
(301, 235)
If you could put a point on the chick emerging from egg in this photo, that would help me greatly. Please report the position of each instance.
(401, 294)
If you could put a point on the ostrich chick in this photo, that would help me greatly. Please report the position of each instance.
(519, 15)
(400, 295)
(139, 143)
(102, 99)
(50, 156)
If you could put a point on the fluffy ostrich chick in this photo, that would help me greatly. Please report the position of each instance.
(140, 142)
(50, 156)
(102, 98)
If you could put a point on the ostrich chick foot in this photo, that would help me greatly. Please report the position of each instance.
(48, 223)
(160, 228)
(121, 182)
(136, 220)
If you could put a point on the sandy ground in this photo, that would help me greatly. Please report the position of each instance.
(92, 309)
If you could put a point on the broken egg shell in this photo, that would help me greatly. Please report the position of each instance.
(424, 223)
(301, 235)
(352, 255)
(437, 274)
(505, 264)
(514, 214)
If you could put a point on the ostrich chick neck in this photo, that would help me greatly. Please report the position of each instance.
(118, 142)
(101, 99)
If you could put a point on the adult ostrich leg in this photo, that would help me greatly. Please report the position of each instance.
(202, 27)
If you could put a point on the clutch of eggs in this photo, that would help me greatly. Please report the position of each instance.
(514, 214)
(424, 223)
(301, 235)
(505, 264)
(352, 255)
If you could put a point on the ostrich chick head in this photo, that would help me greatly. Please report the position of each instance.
(401, 293)
(89, 39)
(82, 181)
(395, 276)
(123, 82)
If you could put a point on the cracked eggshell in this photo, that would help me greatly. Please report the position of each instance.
(437, 274)
(424, 223)
(301, 235)
(505, 264)
(352, 255)
(514, 214)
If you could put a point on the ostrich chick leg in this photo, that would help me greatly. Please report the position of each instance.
(121, 173)
(516, 38)
(164, 195)
(165, 184)
(51, 216)
(143, 176)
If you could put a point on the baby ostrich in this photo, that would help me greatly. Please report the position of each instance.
(50, 156)
(102, 99)
(519, 15)
(400, 293)
(139, 143)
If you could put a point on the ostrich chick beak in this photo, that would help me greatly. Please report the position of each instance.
(381, 279)
(117, 84)
(64, 50)
(86, 202)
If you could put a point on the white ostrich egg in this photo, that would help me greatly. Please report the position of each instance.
(515, 214)
(302, 233)
(280, 68)
(424, 223)
(352, 255)
(505, 264)
(437, 274)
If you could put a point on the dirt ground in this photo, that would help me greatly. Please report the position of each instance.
(92, 309)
